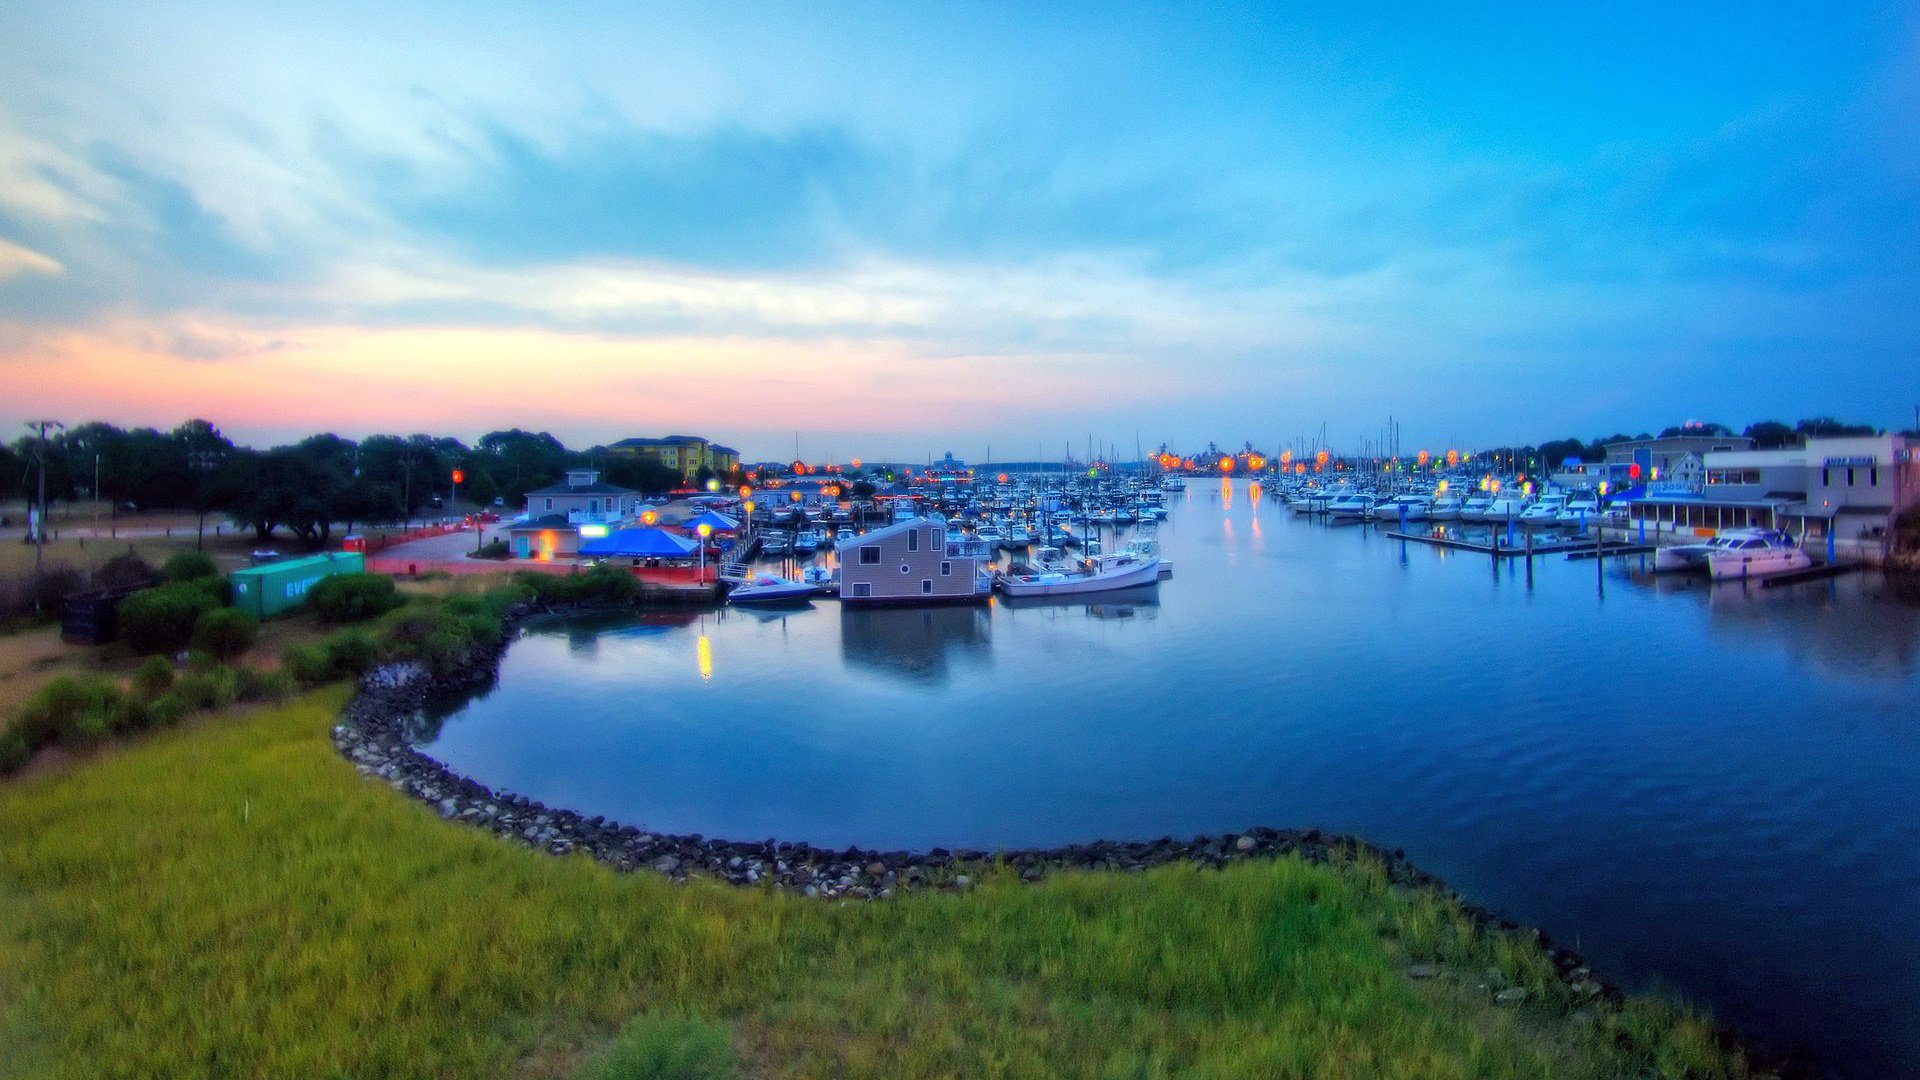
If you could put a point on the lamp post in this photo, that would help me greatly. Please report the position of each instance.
(37, 520)
(705, 530)
(202, 462)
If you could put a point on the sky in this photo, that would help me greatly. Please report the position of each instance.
(896, 230)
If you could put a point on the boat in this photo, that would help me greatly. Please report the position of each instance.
(1444, 508)
(1579, 510)
(1098, 573)
(1546, 512)
(808, 541)
(1476, 507)
(842, 535)
(1506, 508)
(1403, 508)
(1351, 506)
(770, 589)
(1017, 537)
(1755, 553)
(1146, 545)
(819, 576)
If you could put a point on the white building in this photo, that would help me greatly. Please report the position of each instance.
(911, 562)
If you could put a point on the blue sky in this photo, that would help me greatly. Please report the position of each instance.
(897, 230)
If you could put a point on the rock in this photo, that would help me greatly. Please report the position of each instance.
(1422, 971)
(1245, 843)
(963, 882)
(1512, 996)
(667, 864)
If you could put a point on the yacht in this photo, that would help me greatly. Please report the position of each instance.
(1017, 537)
(1581, 509)
(1505, 508)
(770, 589)
(990, 535)
(1476, 507)
(1544, 512)
(1146, 545)
(808, 541)
(1413, 507)
(1351, 506)
(1444, 508)
(1752, 553)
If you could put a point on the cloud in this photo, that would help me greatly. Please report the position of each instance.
(16, 261)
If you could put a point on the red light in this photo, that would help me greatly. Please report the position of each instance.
(459, 477)
(1633, 470)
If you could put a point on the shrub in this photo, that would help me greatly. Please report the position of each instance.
(353, 597)
(225, 633)
(608, 583)
(492, 549)
(167, 710)
(655, 1046)
(161, 619)
(251, 684)
(74, 709)
(214, 689)
(14, 751)
(189, 566)
(308, 664)
(350, 652)
(154, 677)
(124, 571)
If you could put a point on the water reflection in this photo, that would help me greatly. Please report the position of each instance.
(1140, 601)
(915, 644)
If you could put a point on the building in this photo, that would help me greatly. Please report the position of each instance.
(558, 517)
(684, 454)
(911, 562)
(1848, 489)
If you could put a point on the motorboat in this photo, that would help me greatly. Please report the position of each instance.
(808, 541)
(1017, 537)
(1580, 509)
(1403, 508)
(819, 576)
(990, 535)
(1506, 508)
(1754, 553)
(1545, 512)
(1351, 506)
(1098, 573)
(770, 589)
(1147, 546)
(1476, 507)
(1444, 508)
(1686, 558)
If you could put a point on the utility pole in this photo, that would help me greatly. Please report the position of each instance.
(202, 462)
(37, 520)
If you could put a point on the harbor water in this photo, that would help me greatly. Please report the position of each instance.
(1709, 788)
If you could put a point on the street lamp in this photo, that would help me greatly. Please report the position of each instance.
(705, 530)
(202, 463)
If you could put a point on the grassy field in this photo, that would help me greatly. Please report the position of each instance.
(231, 899)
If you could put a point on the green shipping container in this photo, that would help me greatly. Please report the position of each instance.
(268, 590)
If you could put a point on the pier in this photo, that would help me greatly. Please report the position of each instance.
(1573, 549)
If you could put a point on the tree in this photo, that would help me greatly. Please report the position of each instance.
(1695, 427)
(1770, 435)
(1826, 427)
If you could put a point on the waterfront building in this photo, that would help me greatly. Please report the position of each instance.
(558, 518)
(685, 454)
(1850, 489)
(912, 562)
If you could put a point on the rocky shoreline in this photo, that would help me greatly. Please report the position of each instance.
(372, 735)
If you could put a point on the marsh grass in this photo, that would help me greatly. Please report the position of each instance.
(232, 899)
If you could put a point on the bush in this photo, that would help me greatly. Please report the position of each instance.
(167, 710)
(124, 571)
(161, 619)
(77, 710)
(353, 597)
(189, 566)
(14, 751)
(225, 633)
(492, 549)
(308, 664)
(154, 677)
(214, 689)
(655, 1046)
(253, 685)
(342, 655)
(607, 583)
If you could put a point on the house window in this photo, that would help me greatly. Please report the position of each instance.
(926, 585)
(1826, 477)
(593, 506)
(549, 503)
(863, 588)
(946, 569)
(1873, 476)
(1849, 476)
(913, 539)
(870, 556)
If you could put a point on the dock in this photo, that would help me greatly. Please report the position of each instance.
(1811, 573)
(1573, 549)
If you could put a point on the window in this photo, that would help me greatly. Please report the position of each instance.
(593, 506)
(549, 503)
(1873, 476)
(1826, 477)
(1849, 476)
(870, 555)
(946, 569)
(913, 539)
(863, 588)
(926, 585)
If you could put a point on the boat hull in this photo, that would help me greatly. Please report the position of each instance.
(1143, 573)
(1736, 565)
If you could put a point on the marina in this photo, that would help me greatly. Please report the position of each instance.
(1714, 787)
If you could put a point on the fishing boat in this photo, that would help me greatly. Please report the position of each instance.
(1098, 573)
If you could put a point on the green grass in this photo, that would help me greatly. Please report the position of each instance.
(232, 899)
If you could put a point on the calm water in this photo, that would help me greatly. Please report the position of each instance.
(1712, 788)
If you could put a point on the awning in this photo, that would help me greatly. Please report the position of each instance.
(717, 522)
(644, 543)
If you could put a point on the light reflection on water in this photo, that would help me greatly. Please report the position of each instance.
(1711, 785)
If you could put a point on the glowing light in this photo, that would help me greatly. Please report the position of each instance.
(593, 532)
(459, 476)
(745, 491)
(1226, 464)
(1002, 478)
(794, 495)
(1321, 457)
(1656, 473)
(649, 517)
(713, 484)
(705, 530)
(1422, 458)
(1603, 487)
(1633, 471)
(1286, 458)
(1299, 468)
(1453, 457)
(703, 651)
(1093, 470)
(856, 463)
(799, 468)
(1440, 488)
(1256, 463)
(1493, 486)
(1526, 488)
(748, 506)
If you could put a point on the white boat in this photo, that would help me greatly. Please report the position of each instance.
(1580, 510)
(808, 541)
(842, 535)
(818, 575)
(991, 535)
(1505, 508)
(1350, 507)
(1754, 553)
(1173, 483)
(1543, 513)
(1444, 508)
(1476, 507)
(1099, 573)
(1146, 545)
(1686, 558)
(1017, 537)
(1414, 506)
(769, 589)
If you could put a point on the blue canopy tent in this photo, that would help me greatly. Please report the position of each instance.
(718, 522)
(642, 543)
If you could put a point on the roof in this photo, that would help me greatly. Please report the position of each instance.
(885, 531)
(718, 449)
(598, 487)
(642, 543)
(544, 521)
(281, 566)
(718, 522)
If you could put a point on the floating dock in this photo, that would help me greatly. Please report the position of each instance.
(1572, 549)
(1811, 573)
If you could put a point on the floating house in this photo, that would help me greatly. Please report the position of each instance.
(912, 562)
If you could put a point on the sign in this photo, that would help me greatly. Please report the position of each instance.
(1849, 462)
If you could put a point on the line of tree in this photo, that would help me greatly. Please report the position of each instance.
(309, 487)
(1766, 435)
